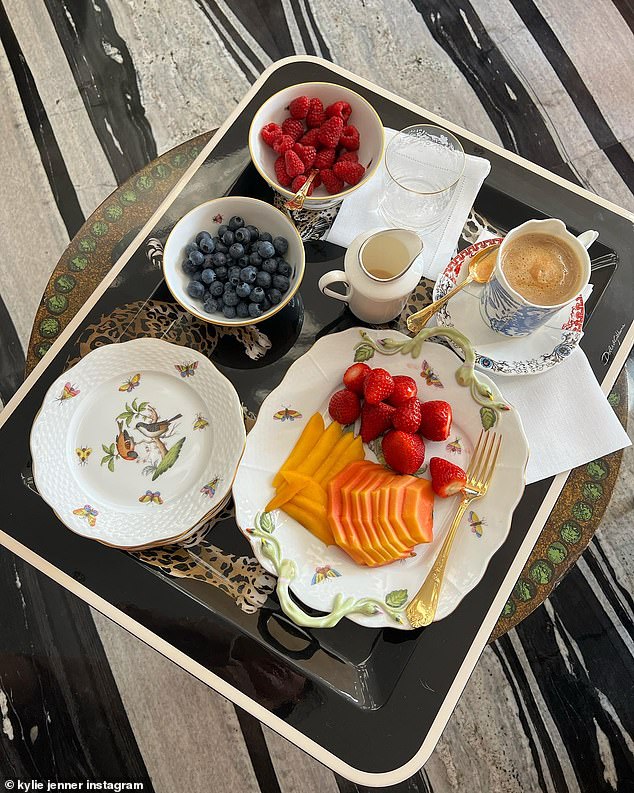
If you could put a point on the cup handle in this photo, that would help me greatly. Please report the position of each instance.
(334, 277)
(587, 238)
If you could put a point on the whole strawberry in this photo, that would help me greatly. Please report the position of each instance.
(403, 451)
(306, 154)
(354, 377)
(270, 133)
(435, 420)
(332, 183)
(283, 144)
(340, 108)
(404, 390)
(349, 138)
(280, 172)
(378, 386)
(375, 420)
(344, 407)
(324, 159)
(298, 108)
(293, 127)
(330, 132)
(350, 172)
(447, 479)
(407, 416)
(315, 116)
(294, 166)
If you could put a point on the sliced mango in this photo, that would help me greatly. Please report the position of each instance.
(321, 450)
(339, 450)
(307, 441)
(311, 517)
(352, 453)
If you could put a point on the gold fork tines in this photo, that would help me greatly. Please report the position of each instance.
(422, 608)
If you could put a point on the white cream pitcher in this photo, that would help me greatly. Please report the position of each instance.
(380, 272)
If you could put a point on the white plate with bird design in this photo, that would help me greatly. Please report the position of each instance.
(137, 443)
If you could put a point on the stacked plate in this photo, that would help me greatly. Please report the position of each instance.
(138, 444)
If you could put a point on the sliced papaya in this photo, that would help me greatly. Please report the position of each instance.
(343, 530)
(363, 513)
(310, 436)
(358, 533)
(392, 541)
(418, 507)
(395, 500)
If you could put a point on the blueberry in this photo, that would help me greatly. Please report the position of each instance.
(257, 294)
(281, 282)
(201, 236)
(230, 299)
(284, 268)
(208, 262)
(243, 261)
(274, 295)
(211, 305)
(229, 312)
(195, 289)
(242, 309)
(228, 287)
(221, 273)
(265, 248)
(207, 245)
(189, 267)
(248, 274)
(216, 289)
(221, 247)
(222, 229)
(234, 275)
(255, 259)
(208, 276)
(255, 233)
(263, 279)
(218, 259)
(264, 235)
(228, 238)
(269, 266)
(196, 257)
(190, 248)
(243, 235)
(236, 250)
(243, 290)
(254, 310)
(197, 276)
(266, 304)
(236, 222)
(280, 244)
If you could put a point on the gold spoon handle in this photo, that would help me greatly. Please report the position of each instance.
(418, 320)
(422, 608)
(297, 201)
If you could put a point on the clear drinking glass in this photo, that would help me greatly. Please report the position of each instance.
(423, 164)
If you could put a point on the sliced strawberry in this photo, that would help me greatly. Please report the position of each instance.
(375, 420)
(354, 377)
(435, 420)
(378, 386)
(404, 390)
(447, 479)
(344, 407)
(403, 451)
(407, 416)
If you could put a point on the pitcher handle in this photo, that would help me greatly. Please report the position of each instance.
(333, 277)
(587, 238)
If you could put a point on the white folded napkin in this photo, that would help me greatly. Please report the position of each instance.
(359, 213)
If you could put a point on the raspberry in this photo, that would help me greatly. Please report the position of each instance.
(324, 159)
(294, 166)
(342, 109)
(350, 172)
(283, 143)
(348, 156)
(330, 131)
(280, 172)
(299, 181)
(270, 133)
(310, 138)
(298, 108)
(350, 138)
(293, 127)
(306, 154)
(332, 183)
(316, 115)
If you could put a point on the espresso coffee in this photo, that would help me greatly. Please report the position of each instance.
(543, 269)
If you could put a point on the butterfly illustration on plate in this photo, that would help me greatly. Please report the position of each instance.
(286, 414)
(68, 392)
(131, 384)
(88, 513)
(151, 498)
(200, 422)
(83, 453)
(187, 369)
(455, 447)
(430, 377)
(323, 573)
(210, 488)
(476, 524)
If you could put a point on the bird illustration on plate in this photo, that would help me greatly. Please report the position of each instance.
(131, 384)
(476, 524)
(287, 414)
(155, 429)
(125, 444)
(83, 453)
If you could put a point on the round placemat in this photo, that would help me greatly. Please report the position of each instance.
(88, 258)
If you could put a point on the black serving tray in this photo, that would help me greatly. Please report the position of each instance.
(369, 703)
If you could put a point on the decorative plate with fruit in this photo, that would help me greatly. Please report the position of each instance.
(346, 487)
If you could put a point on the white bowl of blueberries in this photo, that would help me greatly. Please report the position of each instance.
(233, 261)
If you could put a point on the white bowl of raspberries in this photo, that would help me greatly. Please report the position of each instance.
(316, 126)
(233, 261)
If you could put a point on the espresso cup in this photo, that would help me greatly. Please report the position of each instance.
(508, 312)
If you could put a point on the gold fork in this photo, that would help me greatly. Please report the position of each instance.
(422, 608)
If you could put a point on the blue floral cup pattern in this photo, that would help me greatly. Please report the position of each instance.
(506, 311)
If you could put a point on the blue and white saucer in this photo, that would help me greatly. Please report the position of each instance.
(504, 355)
